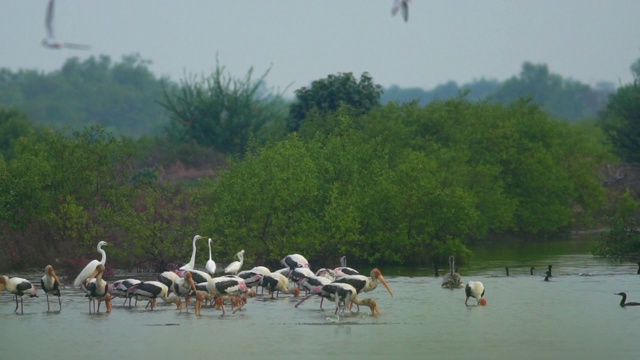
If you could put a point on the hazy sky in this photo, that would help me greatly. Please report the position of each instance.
(305, 40)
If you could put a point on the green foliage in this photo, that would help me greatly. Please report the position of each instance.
(623, 237)
(561, 98)
(327, 95)
(121, 97)
(223, 112)
(13, 125)
(621, 122)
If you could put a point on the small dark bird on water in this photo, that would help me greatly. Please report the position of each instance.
(624, 298)
(546, 278)
(531, 270)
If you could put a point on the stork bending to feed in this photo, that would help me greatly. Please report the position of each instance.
(19, 287)
(91, 266)
(475, 289)
(276, 282)
(345, 294)
(310, 283)
(121, 289)
(295, 261)
(452, 280)
(50, 284)
(223, 286)
(153, 290)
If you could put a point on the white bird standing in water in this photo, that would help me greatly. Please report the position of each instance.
(401, 4)
(235, 266)
(91, 266)
(211, 265)
(50, 41)
(192, 263)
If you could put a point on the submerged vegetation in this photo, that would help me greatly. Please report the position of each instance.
(335, 172)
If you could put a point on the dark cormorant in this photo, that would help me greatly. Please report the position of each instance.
(624, 298)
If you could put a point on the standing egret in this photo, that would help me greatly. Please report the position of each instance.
(211, 265)
(235, 266)
(91, 266)
(192, 262)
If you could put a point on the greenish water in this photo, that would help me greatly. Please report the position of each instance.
(574, 316)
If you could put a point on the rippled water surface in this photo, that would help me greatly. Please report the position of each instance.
(573, 316)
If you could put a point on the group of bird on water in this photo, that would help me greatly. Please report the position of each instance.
(342, 285)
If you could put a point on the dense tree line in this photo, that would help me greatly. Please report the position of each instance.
(562, 98)
(394, 183)
(122, 97)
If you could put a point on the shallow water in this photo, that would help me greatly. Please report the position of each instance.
(575, 315)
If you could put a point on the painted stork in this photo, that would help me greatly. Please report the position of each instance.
(474, 289)
(153, 290)
(200, 276)
(192, 263)
(326, 273)
(121, 289)
(19, 287)
(251, 277)
(50, 284)
(452, 280)
(278, 282)
(235, 266)
(168, 278)
(185, 286)
(295, 261)
(96, 287)
(310, 283)
(344, 294)
(343, 269)
(91, 266)
(365, 283)
(211, 265)
(222, 286)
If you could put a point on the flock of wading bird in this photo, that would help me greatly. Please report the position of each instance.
(341, 285)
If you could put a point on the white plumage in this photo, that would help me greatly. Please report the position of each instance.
(91, 266)
(235, 266)
(474, 289)
(211, 265)
(192, 263)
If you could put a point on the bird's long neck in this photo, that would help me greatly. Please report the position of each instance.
(452, 264)
(192, 263)
(103, 253)
(209, 249)
(624, 299)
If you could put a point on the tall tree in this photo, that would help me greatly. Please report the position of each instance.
(327, 95)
